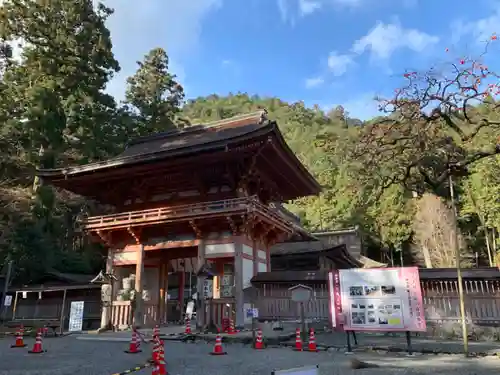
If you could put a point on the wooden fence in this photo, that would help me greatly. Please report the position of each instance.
(440, 298)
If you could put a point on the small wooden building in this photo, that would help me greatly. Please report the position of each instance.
(303, 259)
(185, 198)
(51, 300)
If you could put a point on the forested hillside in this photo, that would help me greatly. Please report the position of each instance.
(390, 175)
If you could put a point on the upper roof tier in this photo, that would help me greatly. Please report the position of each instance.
(215, 144)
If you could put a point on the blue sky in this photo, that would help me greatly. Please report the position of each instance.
(325, 52)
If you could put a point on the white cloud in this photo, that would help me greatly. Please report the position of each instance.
(291, 10)
(384, 39)
(481, 29)
(308, 6)
(364, 107)
(314, 82)
(283, 9)
(338, 64)
(136, 28)
(231, 66)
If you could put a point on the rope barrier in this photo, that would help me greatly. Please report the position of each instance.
(133, 369)
(142, 336)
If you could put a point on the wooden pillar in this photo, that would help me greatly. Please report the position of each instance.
(139, 271)
(255, 252)
(107, 307)
(165, 287)
(238, 282)
(268, 257)
(200, 302)
(182, 285)
(161, 293)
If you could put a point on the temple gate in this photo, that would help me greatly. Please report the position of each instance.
(185, 201)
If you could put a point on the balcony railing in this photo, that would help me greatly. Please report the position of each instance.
(183, 212)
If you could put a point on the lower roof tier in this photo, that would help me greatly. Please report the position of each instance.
(238, 215)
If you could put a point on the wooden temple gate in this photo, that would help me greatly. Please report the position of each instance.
(204, 196)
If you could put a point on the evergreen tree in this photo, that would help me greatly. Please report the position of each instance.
(154, 94)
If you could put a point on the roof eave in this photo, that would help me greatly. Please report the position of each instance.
(314, 185)
(64, 173)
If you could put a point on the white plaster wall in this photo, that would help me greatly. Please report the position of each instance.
(225, 248)
(247, 272)
(127, 257)
(262, 267)
(261, 254)
(247, 250)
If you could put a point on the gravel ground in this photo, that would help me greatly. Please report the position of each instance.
(78, 357)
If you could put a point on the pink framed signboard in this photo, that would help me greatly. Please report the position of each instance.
(377, 299)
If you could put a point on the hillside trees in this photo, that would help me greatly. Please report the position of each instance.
(53, 111)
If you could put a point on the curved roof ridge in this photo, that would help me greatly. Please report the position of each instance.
(253, 117)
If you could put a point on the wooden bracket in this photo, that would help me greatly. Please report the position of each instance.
(105, 237)
(232, 225)
(135, 234)
(196, 229)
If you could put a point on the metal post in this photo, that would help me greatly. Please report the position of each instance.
(354, 337)
(303, 322)
(348, 339)
(63, 312)
(15, 306)
(6, 288)
(459, 270)
(408, 343)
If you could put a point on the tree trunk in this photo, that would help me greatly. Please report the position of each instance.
(427, 256)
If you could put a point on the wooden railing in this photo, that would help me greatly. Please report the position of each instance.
(121, 315)
(440, 299)
(182, 212)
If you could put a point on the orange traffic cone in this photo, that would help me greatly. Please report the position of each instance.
(156, 333)
(298, 341)
(134, 344)
(156, 350)
(37, 347)
(161, 366)
(311, 347)
(259, 343)
(187, 330)
(19, 339)
(231, 330)
(218, 346)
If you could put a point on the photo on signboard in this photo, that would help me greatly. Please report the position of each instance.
(396, 307)
(358, 318)
(382, 320)
(356, 290)
(361, 306)
(371, 306)
(354, 306)
(372, 291)
(372, 318)
(388, 289)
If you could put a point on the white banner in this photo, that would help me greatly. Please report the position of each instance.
(76, 316)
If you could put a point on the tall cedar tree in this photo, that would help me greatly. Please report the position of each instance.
(56, 90)
(154, 94)
(53, 111)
